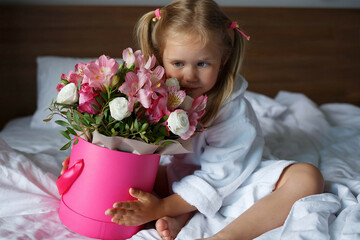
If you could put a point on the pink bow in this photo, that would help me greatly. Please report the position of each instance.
(236, 26)
(157, 15)
(65, 181)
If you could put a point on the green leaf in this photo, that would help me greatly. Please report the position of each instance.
(166, 143)
(100, 100)
(80, 114)
(136, 125)
(163, 131)
(76, 141)
(98, 119)
(96, 107)
(66, 146)
(89, 119)
(76, 117)
(113, 132)
(76, 127)
(159, 139)
(64, 81)
(62, 123)
(144, 138)
(163, 119)
(156, 128)
(144, 127)
(122, 127)
(79, 84)
(104, 96)
(69, 117)
(65, 134)
(84, 122)
(71, 131)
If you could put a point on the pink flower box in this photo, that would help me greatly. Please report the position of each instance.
(97, 178)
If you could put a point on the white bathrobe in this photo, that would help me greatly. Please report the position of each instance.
(226, 154)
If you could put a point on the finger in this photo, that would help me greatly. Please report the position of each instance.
(65, 165)
(66, 161)
(123, 221)
(127, 205)
(119, 213)
(136, 193)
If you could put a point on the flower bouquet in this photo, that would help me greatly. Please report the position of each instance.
(122, 118)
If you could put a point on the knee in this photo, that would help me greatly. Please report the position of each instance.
(301, 178)
(308, 177)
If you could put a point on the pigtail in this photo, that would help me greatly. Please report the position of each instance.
(144, 34)
(222, 92)
(237, 55)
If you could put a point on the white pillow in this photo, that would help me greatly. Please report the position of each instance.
(49, 70)
(265, 106)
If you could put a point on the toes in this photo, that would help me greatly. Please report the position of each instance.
(161, 225)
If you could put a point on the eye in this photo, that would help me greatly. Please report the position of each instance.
(178, 64)
(203, 64)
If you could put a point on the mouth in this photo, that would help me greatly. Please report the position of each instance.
(189, 90)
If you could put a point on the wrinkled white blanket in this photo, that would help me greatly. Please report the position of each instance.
(327, 136)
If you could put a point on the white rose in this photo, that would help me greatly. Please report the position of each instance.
(187, 103)
(178, 122)
(119, 108)
(172, 82)
(68, 94)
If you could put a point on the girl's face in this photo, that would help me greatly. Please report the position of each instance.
(195, 65)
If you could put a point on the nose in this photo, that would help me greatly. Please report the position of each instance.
(190, 74)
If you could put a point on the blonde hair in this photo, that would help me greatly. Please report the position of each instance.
(205, 18)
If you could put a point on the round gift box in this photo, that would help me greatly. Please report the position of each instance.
(106, 177)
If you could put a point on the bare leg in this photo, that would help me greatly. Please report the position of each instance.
(297, 181)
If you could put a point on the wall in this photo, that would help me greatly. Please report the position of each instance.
(248, 3)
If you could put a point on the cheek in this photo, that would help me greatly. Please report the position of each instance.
(211, 79)
(171, 73)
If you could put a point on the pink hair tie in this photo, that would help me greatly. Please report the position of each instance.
(157, 15)
(236, 26)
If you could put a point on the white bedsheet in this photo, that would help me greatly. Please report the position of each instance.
(295, 129)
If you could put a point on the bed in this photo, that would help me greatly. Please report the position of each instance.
(303, 70)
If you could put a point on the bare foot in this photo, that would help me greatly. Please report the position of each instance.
(169, 227)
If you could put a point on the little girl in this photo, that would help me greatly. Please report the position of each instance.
(201, 47)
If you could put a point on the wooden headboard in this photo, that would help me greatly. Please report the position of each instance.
(312, 51)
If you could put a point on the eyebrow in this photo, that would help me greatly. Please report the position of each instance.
(204, 59)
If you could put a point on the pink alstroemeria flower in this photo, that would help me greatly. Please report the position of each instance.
(140, 62)
(130, 87)
(79, 68)
(158, 109)
(87, 98)
(72, 77)
(128, 57)
(98, 74)
(193, 122)
(195, 113)
(199, 105)
(176, 98)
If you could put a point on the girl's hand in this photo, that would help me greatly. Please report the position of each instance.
(146, 208)
(65, 165)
